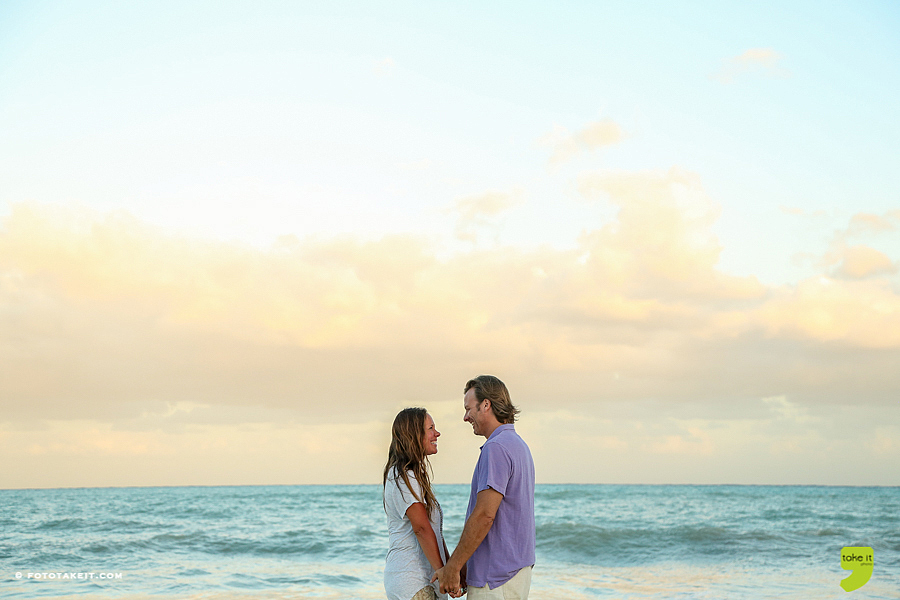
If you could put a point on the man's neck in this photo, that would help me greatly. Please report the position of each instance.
(491, 429)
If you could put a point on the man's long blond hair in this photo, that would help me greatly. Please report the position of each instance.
(407, 453)
(488, 387)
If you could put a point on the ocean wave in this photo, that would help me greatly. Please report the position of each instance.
(310, 544)
(583, 543)
(65, 524)
(827, 532)
(298, 547)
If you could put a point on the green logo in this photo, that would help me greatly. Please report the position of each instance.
(859, 560)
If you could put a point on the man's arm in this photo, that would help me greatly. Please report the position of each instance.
(477, 526)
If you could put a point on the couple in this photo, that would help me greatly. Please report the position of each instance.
(495, 553)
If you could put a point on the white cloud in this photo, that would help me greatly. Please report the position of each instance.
(475, 213)
(384, 67)
(859, 262)
(849, 260)
(762, 61)
(565, 145)
(115, 325)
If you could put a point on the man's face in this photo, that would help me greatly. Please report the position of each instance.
(475, 411)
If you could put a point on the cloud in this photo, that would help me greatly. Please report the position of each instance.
(847, 260)
(221, 454)
(799, 212)
(859, 262)
(661, 245)
(416, 165)
(785, 409)
(477, 211)
(695, 441)
(566, 145)
(762, 61)
(866, 223)
(104, 316)
(110, 322)
(862, 314)
(830, 444)
(384, 67)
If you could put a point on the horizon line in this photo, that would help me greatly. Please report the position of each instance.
(117, 487)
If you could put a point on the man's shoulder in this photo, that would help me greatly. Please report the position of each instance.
(508, 440)
(509, 435)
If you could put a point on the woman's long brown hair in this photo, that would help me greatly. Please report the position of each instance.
(407, 453)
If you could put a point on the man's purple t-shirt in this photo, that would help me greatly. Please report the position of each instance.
(505, 465)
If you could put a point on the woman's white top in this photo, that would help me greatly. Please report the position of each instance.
(407, 570)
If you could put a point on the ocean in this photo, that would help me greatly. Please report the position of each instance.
(329, 542)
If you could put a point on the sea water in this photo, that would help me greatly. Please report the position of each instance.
(593, 541)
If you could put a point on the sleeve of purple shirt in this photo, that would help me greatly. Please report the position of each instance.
(496, 471)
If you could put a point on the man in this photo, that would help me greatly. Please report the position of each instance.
(497, 543)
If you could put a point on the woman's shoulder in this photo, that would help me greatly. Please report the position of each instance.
(394, 473)
(397, 481)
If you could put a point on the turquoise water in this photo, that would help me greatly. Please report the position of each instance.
(593, 541)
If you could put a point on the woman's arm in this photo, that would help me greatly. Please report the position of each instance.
(418, 517)
(474, 531)
(446, 551)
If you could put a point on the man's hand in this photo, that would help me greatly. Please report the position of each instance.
(448, 579)
(476, 528)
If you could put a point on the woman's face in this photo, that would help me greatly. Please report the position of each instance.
(431, 436)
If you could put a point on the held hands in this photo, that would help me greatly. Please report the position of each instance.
(449, 581)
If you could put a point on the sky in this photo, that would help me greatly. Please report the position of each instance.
(237, 237)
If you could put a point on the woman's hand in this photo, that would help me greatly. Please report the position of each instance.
(462, 581)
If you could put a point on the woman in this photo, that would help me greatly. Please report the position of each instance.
(416, 542)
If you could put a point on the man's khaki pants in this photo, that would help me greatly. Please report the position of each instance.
(514, 589)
